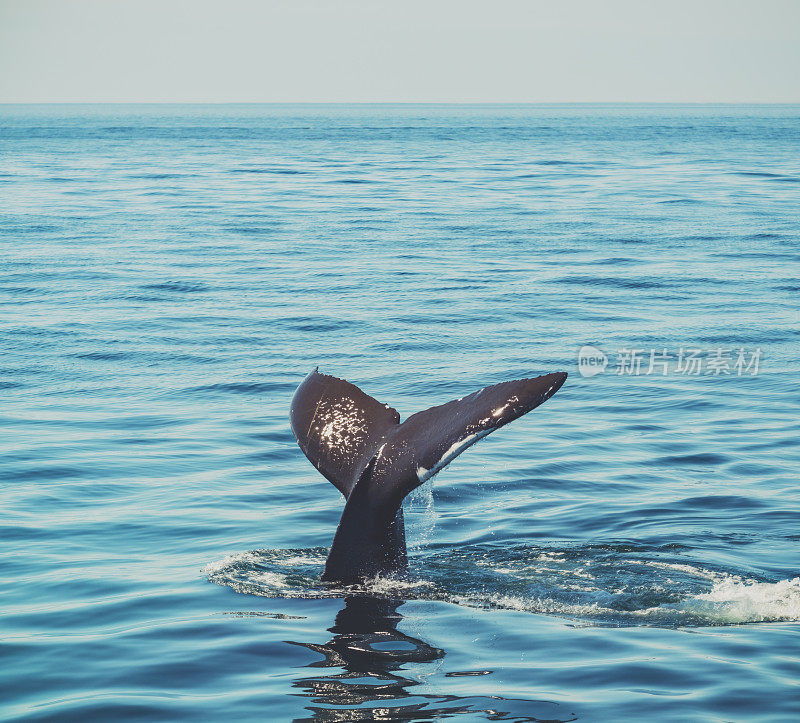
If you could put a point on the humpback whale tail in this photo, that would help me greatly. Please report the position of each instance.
(360, 446)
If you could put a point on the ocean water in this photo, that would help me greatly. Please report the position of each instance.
(629, 550)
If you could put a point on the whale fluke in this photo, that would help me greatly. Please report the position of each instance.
(359, 445)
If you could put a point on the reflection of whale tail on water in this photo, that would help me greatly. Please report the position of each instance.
(370, 651)
(360, 446)
(365, 623)
(375, 669)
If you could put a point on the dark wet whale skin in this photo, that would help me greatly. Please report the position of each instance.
(360, 446)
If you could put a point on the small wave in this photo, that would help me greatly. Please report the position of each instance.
(158, 176)
(11, 385)
(180, 287)
(276, 171)
(100, 355)
(559, 162)
(612, 282)
(253, 230)
(353, 181)
(775, 177)
(225, 388)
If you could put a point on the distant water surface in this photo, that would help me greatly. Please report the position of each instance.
(170, 274)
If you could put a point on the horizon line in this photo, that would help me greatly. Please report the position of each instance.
(397, 102)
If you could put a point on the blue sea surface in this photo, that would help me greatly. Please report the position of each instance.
(170, 274)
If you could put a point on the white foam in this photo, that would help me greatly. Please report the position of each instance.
(236, 571)
(273, 580)
(213, 568)
(545, 606)
(577, 593)
(303, 560)
(732, 600)
(390, 585)
(676, 567)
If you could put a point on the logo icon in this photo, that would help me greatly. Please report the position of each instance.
(591, 361)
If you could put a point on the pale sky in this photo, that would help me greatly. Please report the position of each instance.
(402, 51)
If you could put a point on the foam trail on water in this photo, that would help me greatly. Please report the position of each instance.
(621, 591)
(212, 568)
(733, 600)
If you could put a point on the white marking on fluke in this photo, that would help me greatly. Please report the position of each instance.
(497, 412)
